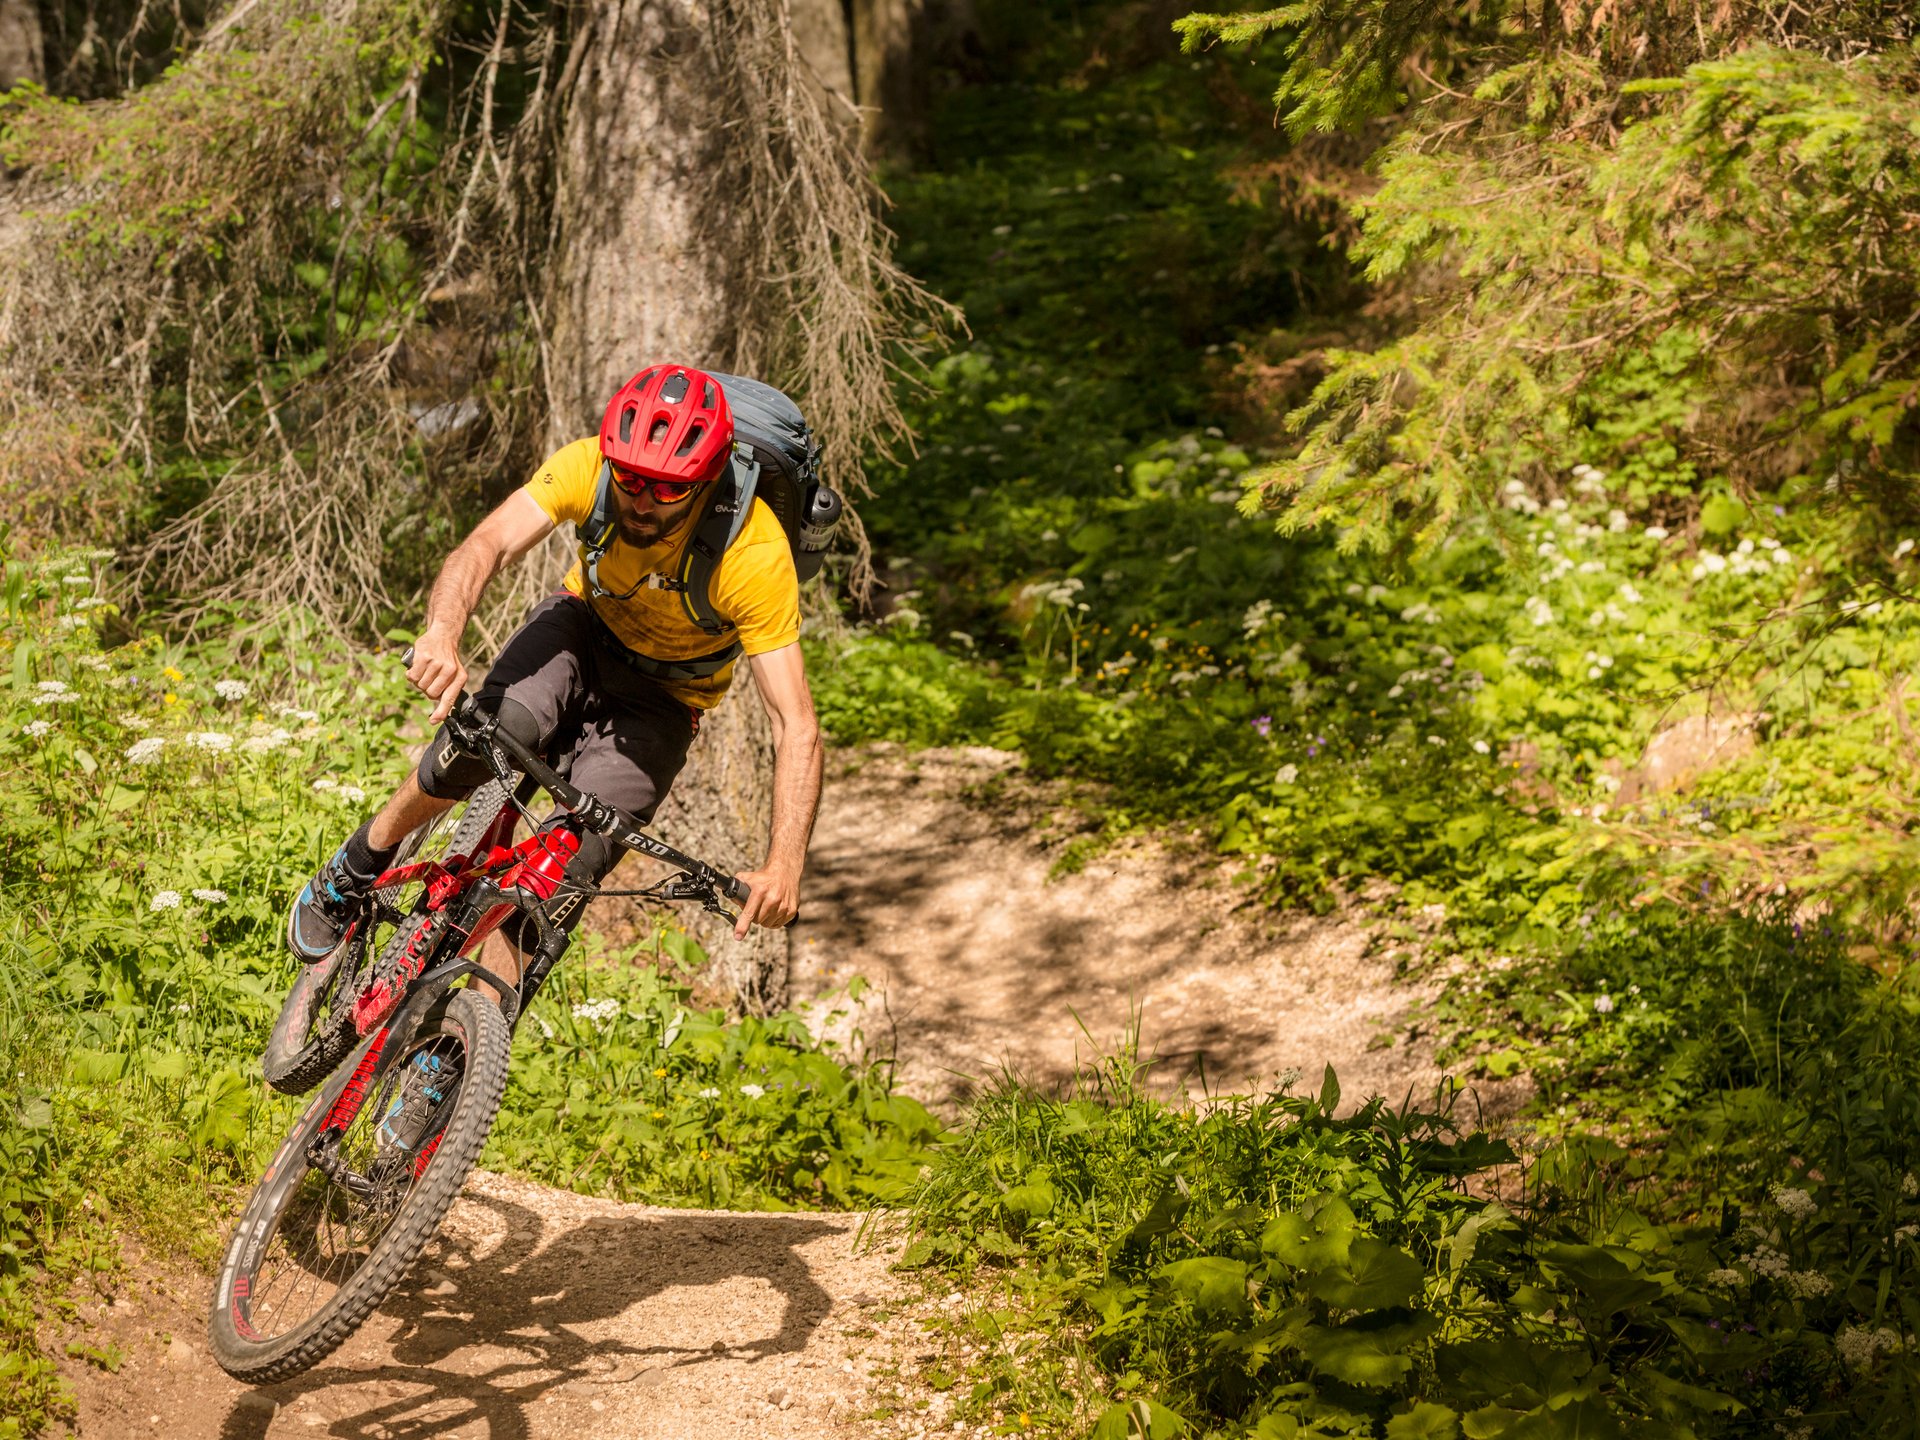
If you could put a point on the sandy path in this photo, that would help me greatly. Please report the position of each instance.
(541, 1314)
(930, 876)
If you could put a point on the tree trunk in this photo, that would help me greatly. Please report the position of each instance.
(897, 45)
(22, 48)
(649, 258)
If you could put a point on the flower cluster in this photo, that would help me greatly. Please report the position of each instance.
(1794, 1203)
(54, 692)
(1858, 1345)
(596, 1012)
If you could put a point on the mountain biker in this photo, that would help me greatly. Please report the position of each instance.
(608, 677)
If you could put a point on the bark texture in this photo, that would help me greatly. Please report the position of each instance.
(22, 47)
(897, 47)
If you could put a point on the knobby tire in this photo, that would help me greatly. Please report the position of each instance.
(470, 1016)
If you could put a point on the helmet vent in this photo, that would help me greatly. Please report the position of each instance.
(693, 439)
(658, 432)
(626, 424)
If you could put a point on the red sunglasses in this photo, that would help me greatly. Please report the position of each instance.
(664, 492)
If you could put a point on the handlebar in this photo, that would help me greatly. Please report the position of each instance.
(478, 732)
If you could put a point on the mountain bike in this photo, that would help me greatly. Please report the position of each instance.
(408, 1039)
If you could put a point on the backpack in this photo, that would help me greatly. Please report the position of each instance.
(775, 459)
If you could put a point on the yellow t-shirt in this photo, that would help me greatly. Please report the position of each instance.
(754, 586)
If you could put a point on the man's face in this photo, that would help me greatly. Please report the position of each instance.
(640, 520)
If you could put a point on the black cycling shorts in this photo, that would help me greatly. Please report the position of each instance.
(610, 730)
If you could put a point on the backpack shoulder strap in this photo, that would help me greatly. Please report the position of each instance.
(713, 535)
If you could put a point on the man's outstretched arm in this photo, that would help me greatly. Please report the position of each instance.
(514, 528)
(781, 676)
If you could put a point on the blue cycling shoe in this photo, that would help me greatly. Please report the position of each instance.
(323, 915)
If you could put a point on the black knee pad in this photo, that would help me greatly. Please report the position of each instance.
(448, 771)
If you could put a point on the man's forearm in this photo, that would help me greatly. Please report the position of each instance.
(457, 589)
(797, 763)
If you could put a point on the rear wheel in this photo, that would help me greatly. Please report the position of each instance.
(357, 1190)
(315, 1030)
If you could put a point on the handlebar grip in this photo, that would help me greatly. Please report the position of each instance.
(737, 892)
(406, 658)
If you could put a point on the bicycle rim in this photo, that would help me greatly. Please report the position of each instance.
(355, 1194)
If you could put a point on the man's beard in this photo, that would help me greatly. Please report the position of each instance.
(640, 531)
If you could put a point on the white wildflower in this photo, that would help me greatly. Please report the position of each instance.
(1858, 1345)
(352, 794)
(1656, 532)
(145, 752)
(960, 637)
(323, 783)
(166, 900)
(710, 1093)
(1794, 1203)
(90, 602)
(212, 740)
(37, 729)
(596, 1012)
(753, 1092)
(1480, 747)
(1603, 1004)
(1286, 775)
(231, 689)
(1808, 1284)
(1435, 740)
(1768, 1262)
(541, 1021)
(183, 1008)
(1539, 611)
(1910, 1185)
(1727, 1278)
(211, 897)
(287, 712)
(266, 744)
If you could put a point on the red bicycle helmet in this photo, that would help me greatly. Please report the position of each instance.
(669, 422)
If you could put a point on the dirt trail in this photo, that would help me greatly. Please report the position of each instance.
(540, 1313)
(930, 875)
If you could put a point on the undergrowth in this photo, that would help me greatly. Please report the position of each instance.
(1267, 1266)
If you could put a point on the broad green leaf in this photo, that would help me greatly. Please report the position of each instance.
(1426, 1421)
(1310, 1242)
(1356, 1356)
(1140, 1419)
(1489, 1422)
(1605, 1275)
(1161, 1217)
(1586, 1418)
(1376, 1276)
(1216, 1287)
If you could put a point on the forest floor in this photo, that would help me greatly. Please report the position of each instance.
(935, 874)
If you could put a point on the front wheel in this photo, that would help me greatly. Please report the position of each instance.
(357, 1190)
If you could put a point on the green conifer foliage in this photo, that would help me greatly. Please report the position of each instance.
(1573, 200)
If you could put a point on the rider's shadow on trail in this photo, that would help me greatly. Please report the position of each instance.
(526, 1318)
